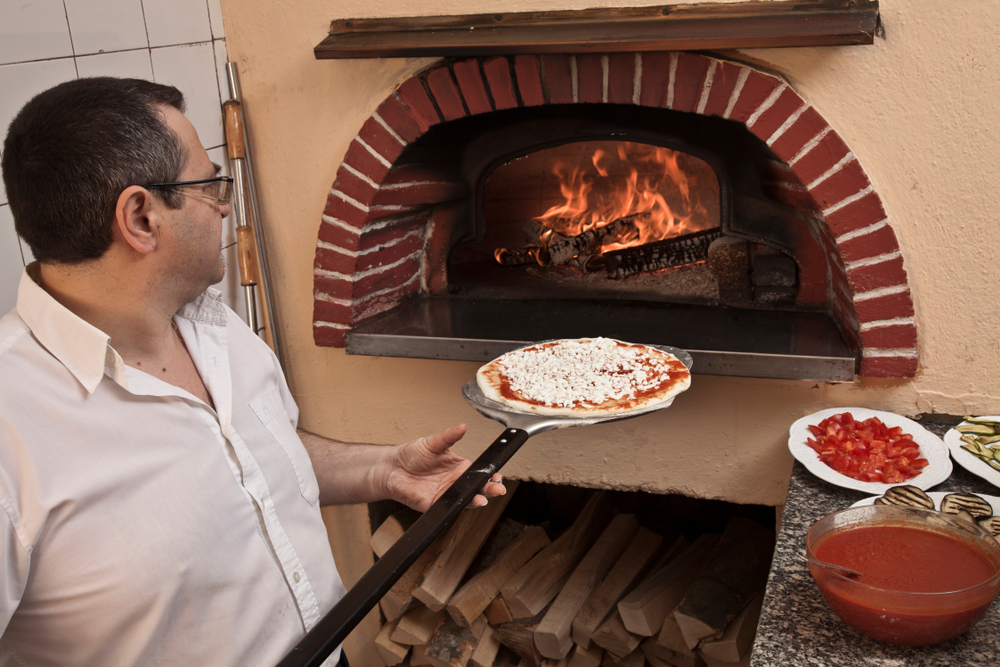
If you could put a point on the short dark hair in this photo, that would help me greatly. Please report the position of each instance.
(70, 152)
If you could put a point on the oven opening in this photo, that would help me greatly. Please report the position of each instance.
(618, 217)
(645, 225)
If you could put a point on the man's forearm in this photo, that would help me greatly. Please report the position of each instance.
(347, 473)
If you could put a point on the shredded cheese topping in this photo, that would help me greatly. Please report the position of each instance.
(588, 372)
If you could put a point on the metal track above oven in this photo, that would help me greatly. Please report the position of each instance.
(723, 341)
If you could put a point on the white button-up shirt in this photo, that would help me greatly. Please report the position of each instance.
(138, 525)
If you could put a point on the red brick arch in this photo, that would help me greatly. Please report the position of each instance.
(373, 247)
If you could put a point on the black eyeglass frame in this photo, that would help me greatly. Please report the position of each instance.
(227, 180)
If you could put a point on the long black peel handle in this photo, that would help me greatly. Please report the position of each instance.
(334, 627)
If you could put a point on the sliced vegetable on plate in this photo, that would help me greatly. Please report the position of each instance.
(975, 445)
(868, 450)
(978, 509)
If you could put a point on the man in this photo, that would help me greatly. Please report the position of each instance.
(156, 503)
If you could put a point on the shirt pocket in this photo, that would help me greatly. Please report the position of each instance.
(272, 416)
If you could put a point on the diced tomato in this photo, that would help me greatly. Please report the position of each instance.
(867, 450)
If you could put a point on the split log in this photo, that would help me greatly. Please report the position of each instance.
(614, 637)
(670, 646)
(737, 639)
(507, 658)
(399, 599)
(461, 546)
(674, 251)
(417, 626)
(498, 613)
(559, 249)
(644, 609)
(517, 256)
(387, 534)
(619, 581)
(553, 634)
(453, 645)
(586, 657)
(535, 585)
(418, 657)
(657, 656)
(391, 652)
(736, 571)
(633, 659)
(518, 636)
(486, 650)
(475, 596)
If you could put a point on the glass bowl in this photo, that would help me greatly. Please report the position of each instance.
(904, 617)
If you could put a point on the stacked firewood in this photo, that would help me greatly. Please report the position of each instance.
(585, 250)
(604, 592)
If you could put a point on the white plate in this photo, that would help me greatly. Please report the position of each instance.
(953, 440)
(936, 496)
(931, 448)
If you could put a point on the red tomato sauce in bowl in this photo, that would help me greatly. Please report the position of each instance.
(901, 558)
(926, 577)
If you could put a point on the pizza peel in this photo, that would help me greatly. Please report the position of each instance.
(331, 630)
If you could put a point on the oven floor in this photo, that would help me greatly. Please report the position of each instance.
(722, 341)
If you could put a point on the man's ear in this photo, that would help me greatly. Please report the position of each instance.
(137, 218)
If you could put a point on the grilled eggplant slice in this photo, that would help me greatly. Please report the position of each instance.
(978, 507)
(907, 494)
(991, 524)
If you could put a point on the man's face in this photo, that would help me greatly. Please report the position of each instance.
(196, 227)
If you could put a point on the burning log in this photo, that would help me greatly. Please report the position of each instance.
(561, 249)
(517, 256)
(675, 251)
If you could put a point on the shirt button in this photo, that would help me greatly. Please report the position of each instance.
(296, 577)
(109, 358)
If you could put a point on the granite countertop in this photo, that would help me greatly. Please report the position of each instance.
(798, 628)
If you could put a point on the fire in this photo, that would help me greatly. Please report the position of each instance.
(638, 181)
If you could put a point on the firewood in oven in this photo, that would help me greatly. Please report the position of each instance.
(475, 596)
(517, 256)
(674, 251)
(644, 609)
(735, 571)
(623, 576)
(557, 248)
(552, 636)
(453, 645)
(462, 543)
(536, 584)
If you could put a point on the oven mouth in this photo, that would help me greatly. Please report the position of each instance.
(480, 313)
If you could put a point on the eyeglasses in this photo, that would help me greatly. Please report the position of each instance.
(217, 190)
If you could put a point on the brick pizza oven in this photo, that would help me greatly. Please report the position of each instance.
(391, 218)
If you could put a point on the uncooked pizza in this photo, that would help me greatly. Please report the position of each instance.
(583, 377)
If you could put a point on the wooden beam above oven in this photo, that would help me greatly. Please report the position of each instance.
(716, 26)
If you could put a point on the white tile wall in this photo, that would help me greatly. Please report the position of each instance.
(179, 42)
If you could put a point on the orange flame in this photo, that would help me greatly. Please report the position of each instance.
(637, 182)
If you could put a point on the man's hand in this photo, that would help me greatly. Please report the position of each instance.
(421, 470)
(415, 474)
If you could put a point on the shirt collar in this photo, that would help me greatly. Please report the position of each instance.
(81, 347)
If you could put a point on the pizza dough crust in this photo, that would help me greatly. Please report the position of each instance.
(583, 377)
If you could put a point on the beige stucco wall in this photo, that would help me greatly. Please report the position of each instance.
(919, 111)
